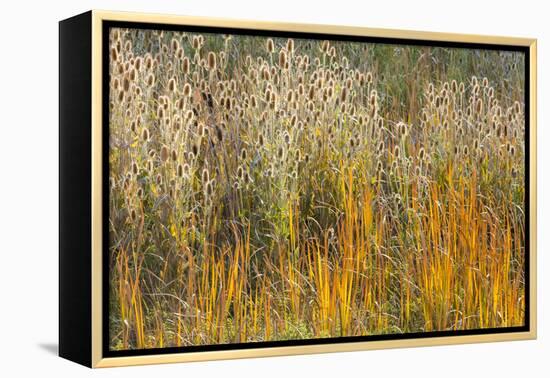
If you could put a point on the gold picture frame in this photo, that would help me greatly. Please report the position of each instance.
(82, 211)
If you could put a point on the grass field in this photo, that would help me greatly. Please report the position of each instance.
(272, 189)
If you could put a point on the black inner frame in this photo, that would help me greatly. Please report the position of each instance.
(107, 352)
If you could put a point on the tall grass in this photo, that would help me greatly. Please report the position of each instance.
(272, 189)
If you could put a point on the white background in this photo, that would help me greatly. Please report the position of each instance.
(29, 189)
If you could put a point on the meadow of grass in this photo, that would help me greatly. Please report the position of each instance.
(272, 189)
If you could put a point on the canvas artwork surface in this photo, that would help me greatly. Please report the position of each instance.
(267, 188)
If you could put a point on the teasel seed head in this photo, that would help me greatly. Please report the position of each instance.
(325, 45)
(164, 154)
(160, 112)
(360, 77)
(140, 192)
(185, 66)
(219, 133)
(240, 172)
(180, 53)
(158, 179)
(135, 169)
(517, 108)
(186, 170)
(247, 177)
(290, 45)
(205, 176)
(425, 116)
(266, 75)
(286, 137)
(349, 83)
(280, 153)
(311, 92)
(381, 147)
(454, 86)
(373, 97)
(253, 101)
(431, 88)
(133, 74)
(270, 45)
(380, 123)
(187, 90)
(150, 80)
(114, 54)
(282, 59)
(150, 166)
(126, 84)
(148, 62)
(211, 61)
(174, 44)
(172, 85)
(369, 77)
(290, 96)
(196, 42)
(402, 127)
(116, 83)
(479, 106)
(397, 152)
(344, 94)
(209, 189)
(293, 121)
(379, 167)
(273, 100)
(145, 134)
(421, 153)
(180, 170)
(128, 46)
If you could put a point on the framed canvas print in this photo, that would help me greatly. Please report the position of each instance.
(236, 189)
